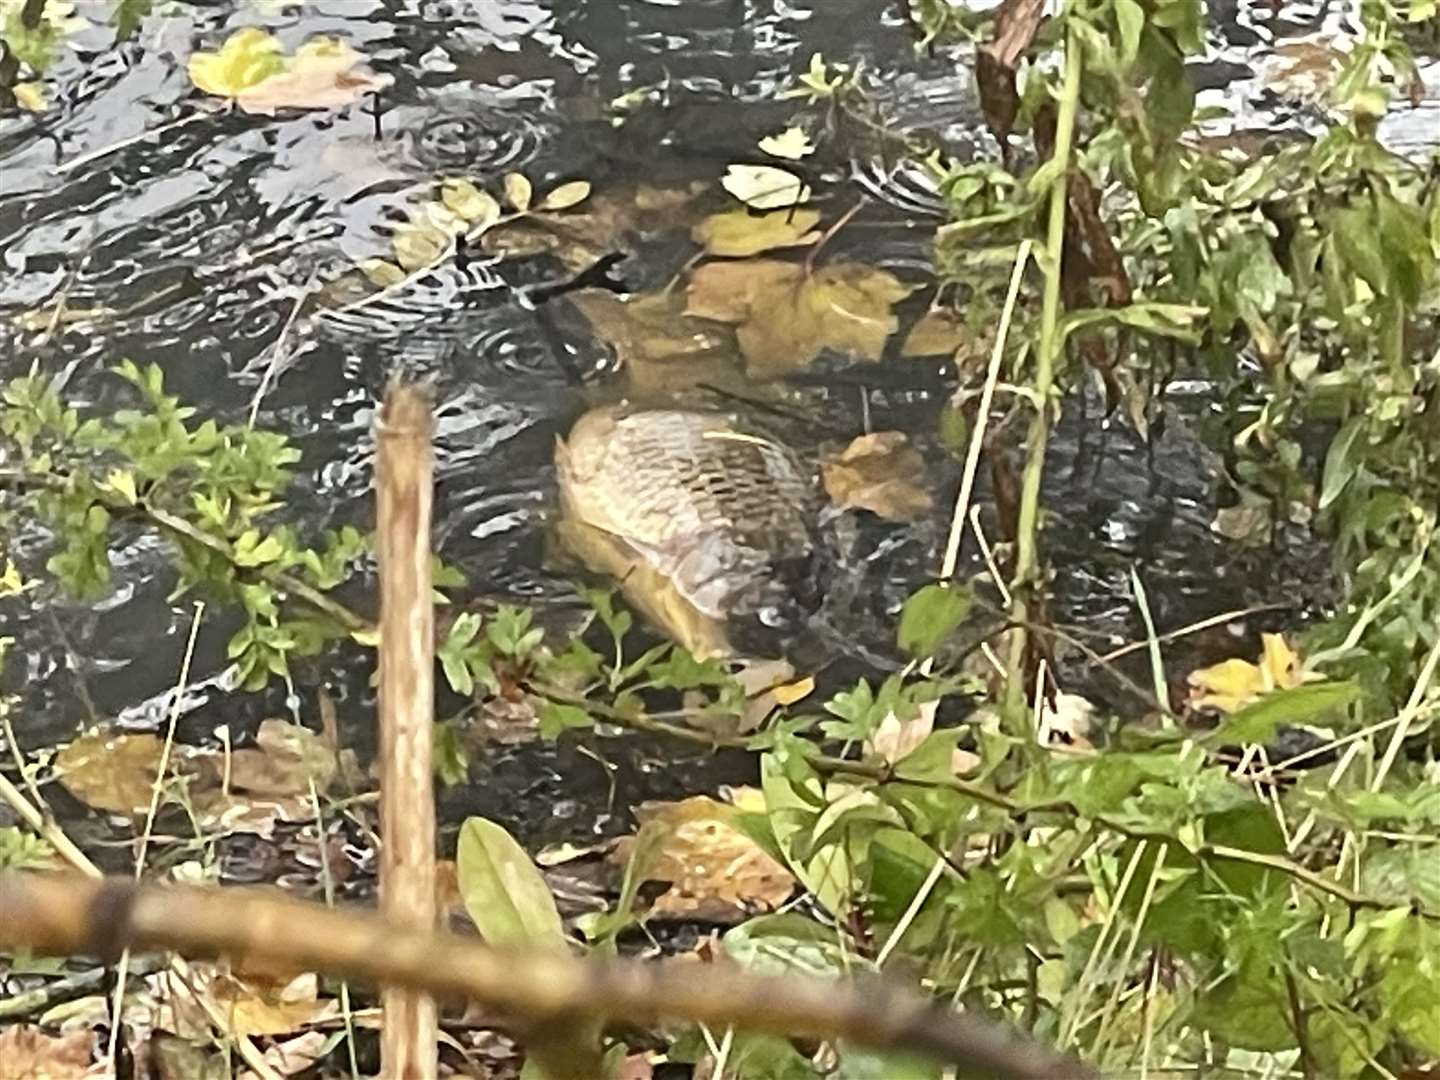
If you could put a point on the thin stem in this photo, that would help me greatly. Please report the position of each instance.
(1045, 363)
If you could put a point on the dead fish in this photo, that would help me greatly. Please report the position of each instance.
(702, 522)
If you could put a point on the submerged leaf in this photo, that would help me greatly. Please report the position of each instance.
(738, 233)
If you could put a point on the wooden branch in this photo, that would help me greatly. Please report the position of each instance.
(407, 713)
(72, 914)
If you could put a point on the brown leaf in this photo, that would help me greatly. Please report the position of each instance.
(113, 773)
(288, 758)
(715, 871)
(881, 473)
(938, 333)
(1015, 25)
(648, 329)
(28, 1053)
(726, 291)
(251, 1009)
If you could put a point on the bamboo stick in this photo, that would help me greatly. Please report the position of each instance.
(407, 696)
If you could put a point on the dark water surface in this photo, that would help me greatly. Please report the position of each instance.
(198, 242)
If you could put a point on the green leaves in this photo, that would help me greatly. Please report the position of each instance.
(505, 895)
(930, 616)
(1256, 723)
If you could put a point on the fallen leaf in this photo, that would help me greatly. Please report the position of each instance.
(566, 195)
(294, 1055)
(938, 333)
(251, 1009)
(321, 75)
(1232, 684)
(739, 233)
(288, 757)
(1067, 722)
(764, 187)
(382, 273)
(31, 96)
(113, 773)
(667, 200)
(28, 1053)
(845, 307)
(792, 144)
(648, 328)
(418, 245)
(881, 473)
(247, 57)
(478, 208)
(715, 872)
(518, 191)
(727, 291)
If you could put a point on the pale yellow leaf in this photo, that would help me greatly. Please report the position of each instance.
(518, 191)
(382, 273)
(31, 96)
(791, 144)
(566, 195)
(477, 207)
(247, 57)
(764, 187)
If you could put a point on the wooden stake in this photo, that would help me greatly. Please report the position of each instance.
(407, 696)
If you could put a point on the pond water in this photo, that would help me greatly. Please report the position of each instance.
(196, 248)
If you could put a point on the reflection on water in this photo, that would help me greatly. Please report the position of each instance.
(192, 248)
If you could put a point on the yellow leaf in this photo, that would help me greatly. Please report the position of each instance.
(764, 187)
(792, 143)
(324, 55)
(738, 233)
(1232, 684)
(419, 245)
(789, 693)
(111, 773)
(382, 273)
(518, 191)
(477, 207)
(1279, 665)
(31, 96)
(249, 56)
(726, 291)
(566, 195)
(122, 482)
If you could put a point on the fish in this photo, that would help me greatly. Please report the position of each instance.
(706, 524)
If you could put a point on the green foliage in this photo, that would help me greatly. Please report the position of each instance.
(19, 850)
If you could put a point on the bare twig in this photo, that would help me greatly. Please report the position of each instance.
(57, 913)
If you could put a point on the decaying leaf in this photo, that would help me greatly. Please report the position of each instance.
(938, 333)
(250, 1005)
(765, 187)
(321, 75)
(785, 318)
(113, 773)
(382, 273)
(649, 329)
(31, 96)
(28, 1053)
(739, 233)
(715, 872)
(881, 473)
(251, 69)
(894, 738)
(286, 760)
(1231, 684)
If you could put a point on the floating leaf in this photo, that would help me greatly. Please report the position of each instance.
(417, 246)
(566, 195)
(478, 208)
(726, 291)
(791, 144)
(31, 96)
(320, 76)
(881, 473)
(738, 233)
(764, 187)
(505, 894)
(938, 333)
(248, 57)
(518, 191)
(382, 273)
